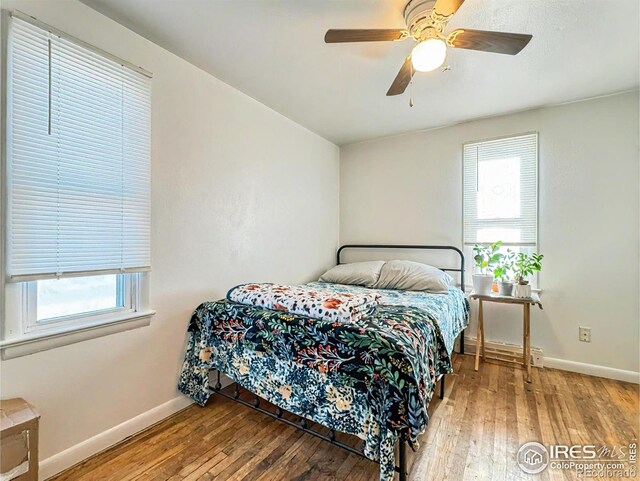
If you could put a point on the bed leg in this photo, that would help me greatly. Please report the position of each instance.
(217, 386)
(402, 460)
(462, 342)
(442, 386)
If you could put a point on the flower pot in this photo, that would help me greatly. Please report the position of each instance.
(482, 284)
(522, 290)
(505, 288)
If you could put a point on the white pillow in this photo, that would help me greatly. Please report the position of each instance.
(413, 276)
(356, 273)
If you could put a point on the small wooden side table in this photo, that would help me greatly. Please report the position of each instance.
(526, 303)
(19, 440)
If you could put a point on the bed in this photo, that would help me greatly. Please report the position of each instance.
(373, 379)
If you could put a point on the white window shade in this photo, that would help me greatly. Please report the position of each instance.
(501, 191)
(78, 156)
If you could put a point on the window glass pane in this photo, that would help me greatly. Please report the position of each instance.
(77, 295)
(499, 189)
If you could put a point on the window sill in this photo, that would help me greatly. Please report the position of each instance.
(62, 336)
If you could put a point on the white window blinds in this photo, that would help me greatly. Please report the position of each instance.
(78, 151)
(501, 191)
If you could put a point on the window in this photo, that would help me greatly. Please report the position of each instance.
(77, 180)
(501, 193)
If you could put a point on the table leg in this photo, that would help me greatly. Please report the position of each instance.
(479, 335)
(482, 332)
(526, 342)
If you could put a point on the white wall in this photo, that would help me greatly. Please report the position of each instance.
(239, 194)
(408, 189)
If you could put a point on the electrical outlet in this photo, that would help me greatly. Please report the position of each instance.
(584, 334)
(537, 359)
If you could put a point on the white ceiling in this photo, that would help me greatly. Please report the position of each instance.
(273, 50)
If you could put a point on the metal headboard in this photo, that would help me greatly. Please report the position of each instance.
(412, 247)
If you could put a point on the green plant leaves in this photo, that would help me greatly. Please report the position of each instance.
(487, 256)
(525, 265)
(488, 259)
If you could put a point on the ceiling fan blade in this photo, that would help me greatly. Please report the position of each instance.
(364, 35)
(446, 8)
(403, 78)
(496, 42)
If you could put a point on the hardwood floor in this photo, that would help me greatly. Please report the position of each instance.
(473, 434)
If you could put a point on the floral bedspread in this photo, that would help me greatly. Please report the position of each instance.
(373, 378)
(312, 300)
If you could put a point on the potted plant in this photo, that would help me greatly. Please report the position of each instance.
(502, 273)
(524, 266)
(485, 257)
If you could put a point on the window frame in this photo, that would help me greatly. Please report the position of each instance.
(534, 247)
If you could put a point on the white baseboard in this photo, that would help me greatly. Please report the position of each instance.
(81, 451)
(593, 370)
(573, 366)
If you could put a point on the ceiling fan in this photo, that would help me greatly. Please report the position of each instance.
(426, 21)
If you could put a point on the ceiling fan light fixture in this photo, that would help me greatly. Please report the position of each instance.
(426, 22)
(428, 55)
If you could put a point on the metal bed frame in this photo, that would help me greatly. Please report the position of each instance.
(401, 467)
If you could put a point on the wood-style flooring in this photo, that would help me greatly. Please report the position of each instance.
(473, 434)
